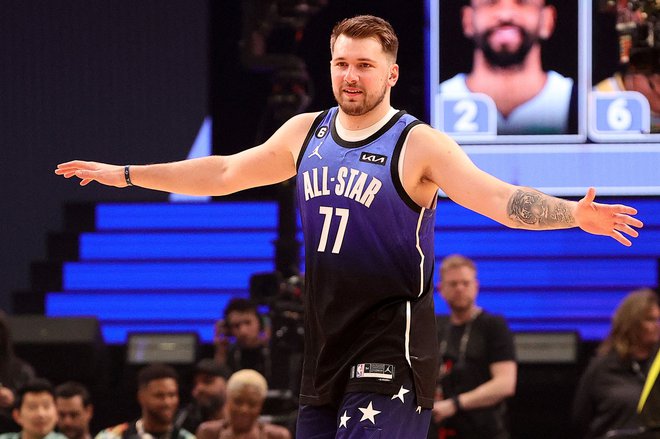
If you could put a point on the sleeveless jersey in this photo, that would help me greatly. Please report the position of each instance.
(369, 259)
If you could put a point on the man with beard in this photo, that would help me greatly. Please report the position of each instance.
(74, 410)
(209, 394)
(477, 360)
(368, 177)
(158, 396)
(507, 66)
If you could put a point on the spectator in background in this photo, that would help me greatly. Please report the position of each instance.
(74, 410)
(14, 373)
(246, 393)
(242, 339)
(609, 390)
(478, 369)
(158, 396)
(209, 394)
(507, 66)
(34, 410)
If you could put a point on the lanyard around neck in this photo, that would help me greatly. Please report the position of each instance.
(462, 347)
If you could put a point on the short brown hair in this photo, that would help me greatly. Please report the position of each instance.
(456, 261)
(367, 26)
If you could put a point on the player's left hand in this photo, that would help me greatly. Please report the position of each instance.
(607, 219)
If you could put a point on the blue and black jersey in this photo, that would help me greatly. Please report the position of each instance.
(368, 267)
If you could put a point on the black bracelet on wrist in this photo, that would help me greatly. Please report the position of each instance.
(127, 175)
(457, 403)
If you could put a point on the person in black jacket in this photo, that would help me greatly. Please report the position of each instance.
(609, 390)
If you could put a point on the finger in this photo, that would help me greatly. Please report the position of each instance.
(67, 174)
(76, 164)
(620, 208)
(619, 237)
(63, 165)
(625, 219)
(625, 228)
(590, 195)
(62, 171)
(69, 163)
(85, 181)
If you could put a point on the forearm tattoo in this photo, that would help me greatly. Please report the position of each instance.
(532, 208)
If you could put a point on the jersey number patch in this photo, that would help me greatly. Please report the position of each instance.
(329, 213)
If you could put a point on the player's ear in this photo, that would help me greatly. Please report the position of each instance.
(16, 415)
(548, 21)
(467, 14)
(394, 75)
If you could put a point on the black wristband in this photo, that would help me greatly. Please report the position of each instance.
(457, 403)
(127, 175)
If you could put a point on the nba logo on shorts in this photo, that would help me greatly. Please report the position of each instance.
(359, 373)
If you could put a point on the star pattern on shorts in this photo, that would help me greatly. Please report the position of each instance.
(343, 420)
(402, 391)
(369, 413)
(419, 409)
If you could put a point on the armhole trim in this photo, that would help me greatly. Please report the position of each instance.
(394, 167)
(310, 133)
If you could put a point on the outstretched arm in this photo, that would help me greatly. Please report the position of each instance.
(269, 163)
(434, 160)
(535, 210)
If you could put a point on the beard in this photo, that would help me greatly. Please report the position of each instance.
(72, 432)
(461, 306)
(163, 417)
(359, 108)
(505, 58)
(210, 406)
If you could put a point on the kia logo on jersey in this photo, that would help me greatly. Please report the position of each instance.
(376, 159)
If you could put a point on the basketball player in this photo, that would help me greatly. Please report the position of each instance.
(368, 177)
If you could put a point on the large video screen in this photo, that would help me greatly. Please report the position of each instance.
(559, 95)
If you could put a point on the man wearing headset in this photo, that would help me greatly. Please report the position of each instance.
(242, 339)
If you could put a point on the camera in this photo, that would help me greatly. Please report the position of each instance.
(284, 299)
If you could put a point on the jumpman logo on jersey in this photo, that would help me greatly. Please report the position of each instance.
(316, 152)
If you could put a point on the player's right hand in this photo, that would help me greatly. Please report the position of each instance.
(110, 175)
